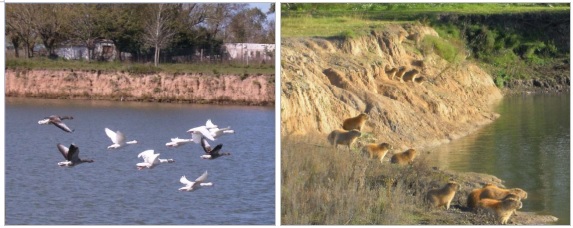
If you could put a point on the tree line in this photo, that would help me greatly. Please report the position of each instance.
(144, 30)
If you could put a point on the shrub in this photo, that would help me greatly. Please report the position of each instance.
(443, 48)
(347, 34)
(501, 79)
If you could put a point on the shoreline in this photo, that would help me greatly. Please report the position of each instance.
(249, 90)
(167, 101)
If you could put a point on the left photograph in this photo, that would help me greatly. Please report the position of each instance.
(139, 114)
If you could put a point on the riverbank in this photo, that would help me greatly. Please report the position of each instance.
(322, 185)
(326, 80)
(158, 87)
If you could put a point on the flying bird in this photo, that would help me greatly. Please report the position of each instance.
(194, 185)
(150, 160)
(176, 142)
(117, 138)
(57, 121)
(199, 132)
(71, 155)
(211, 153)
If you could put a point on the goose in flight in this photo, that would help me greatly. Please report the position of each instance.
(211, 153)
(71, 155)
(117, 138)
(57, 121)
(199, 132)
(193, 185)
(150, 160)
(216, 132)
(176, 142)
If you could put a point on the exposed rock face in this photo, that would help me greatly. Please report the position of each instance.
(325, 81)
(194, 88)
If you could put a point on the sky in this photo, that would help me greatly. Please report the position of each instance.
(263, 6)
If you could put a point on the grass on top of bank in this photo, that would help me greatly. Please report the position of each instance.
(347, 20)
(343, 26)
(140, 68)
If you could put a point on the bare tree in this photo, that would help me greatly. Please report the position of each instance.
(158, 30)
(19, 23)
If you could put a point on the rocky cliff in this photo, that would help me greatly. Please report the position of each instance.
(324, 81)
(192, 88)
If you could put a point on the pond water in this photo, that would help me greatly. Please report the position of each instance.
(528, 147)
(111, 190)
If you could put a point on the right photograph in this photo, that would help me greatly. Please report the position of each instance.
(425, 114)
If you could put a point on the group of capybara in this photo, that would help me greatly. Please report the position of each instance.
(490, 198)
(403, 74)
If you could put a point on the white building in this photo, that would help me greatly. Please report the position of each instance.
(246, 52)
(104, 50)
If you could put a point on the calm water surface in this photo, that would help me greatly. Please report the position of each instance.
(111, 190)
(528, 147)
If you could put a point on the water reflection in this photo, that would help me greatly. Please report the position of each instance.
(527, 147)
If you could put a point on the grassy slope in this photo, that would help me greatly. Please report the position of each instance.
(504, 56)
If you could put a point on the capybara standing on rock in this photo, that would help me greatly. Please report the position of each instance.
(443, 196)
(376, 151)
(343, 137)
(406, 157)
(355, 122)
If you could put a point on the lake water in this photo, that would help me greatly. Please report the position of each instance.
(111, 190)
(528, 147)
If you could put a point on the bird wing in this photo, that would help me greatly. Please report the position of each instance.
(205, 145)
(64, 150)
(210, 124)
(73, 153)
(216, 149)
(111, 134)
(153, 159)
(202, 178)
(61, 125)
(216, 132)
(178, 140)
(199, 132)
(145, 154)
(184, 181)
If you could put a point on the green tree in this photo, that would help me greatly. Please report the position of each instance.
(86, 25)
(51, 22)
(247, 26)
(123, 26)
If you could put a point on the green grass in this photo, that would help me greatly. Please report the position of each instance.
(336, 20)
(449, 50)
(413, 11)
(135, 68)
(344, 27)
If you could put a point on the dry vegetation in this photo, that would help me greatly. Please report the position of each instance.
(324, 186)
(321, 185)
